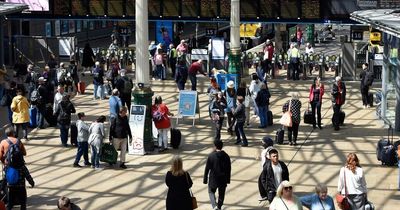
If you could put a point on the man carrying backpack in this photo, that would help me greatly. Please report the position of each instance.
(366, 78)
(125, 86)
(63, 114)
(41, 102)
(11, 152)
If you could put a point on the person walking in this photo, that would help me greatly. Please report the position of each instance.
(338, 93)
(96, 137)
(244, 91)
(320, 200)
(83, 136)
(315, 99)
(98, 81)
(125, 86)
(63, 114)
(268, 55)
(295, 106)
(240, 115)
(193, 70)
(274, 172)
(41, 102)
(217, 174)
(115, 104)
(31, 80)
(179, 183)
(20, 117)
(58, 97)
(172, 55)
(218, 106)
(161, 113)
(88, 58)
(230, 96)
(262, 102)
(254, 89)
(294, 62)
(212, 90)
(20, 70)
(366, 80)
(352, 184)
(285, 199)
(119, 132)
(181, 74)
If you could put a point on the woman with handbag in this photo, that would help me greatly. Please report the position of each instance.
(179, 183)
(352, 185)
(315, 99)
(293, 106)
(285, 199)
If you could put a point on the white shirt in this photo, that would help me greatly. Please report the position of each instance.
(57, 99)
(254, 88)
(309, 51)
(355, 182)
(277, 173)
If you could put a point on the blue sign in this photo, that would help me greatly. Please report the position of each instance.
(223, 79)
(187, 103)
(164, 33)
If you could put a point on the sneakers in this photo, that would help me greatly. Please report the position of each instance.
(368, 106)
(76, 165)
(216, 208)
(263, 199)
(88, 164)
(123, 166)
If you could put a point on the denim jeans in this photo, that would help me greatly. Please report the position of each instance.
(24, 127)
(262, 113)
(95, 157)
(83, 149)
(218, 127)
(2, 90)
(159, 71)
(221, 196)
(316, 106)
(10, 114)
(240, 136)
(63, 133)
(40, 116)
(193, 80)
(97, 89)
(181, 85)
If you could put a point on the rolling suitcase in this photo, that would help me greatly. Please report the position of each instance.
(308, 117)
(74, 134)
(270, 118)
(32, 117)
(176, 136)
(279, 135)
(81, 87)
(386, 151)
(370, 99)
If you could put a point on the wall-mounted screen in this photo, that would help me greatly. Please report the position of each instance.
(34, 5)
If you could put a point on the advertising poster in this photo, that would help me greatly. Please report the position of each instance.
(218, 48)
(57, 27)
(64, 27)
(187, 103)
(72, 26)
(164, 33)
(78, 26)
(223, 79)
(136, 124)
(48, 29)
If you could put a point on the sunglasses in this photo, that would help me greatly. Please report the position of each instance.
(288, 188)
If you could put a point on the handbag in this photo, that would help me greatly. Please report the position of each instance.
(108, 153)
(341, 200)
(286, 119)
(194, 200)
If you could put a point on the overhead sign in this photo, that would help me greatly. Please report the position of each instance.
(187, 103)
(211, 32)
(364, 4)
(357, 35)
(249, 29)
(136, 124)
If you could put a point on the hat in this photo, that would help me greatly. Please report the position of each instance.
(41, 79)
(267, 141)
(268, 41)
(230, 84)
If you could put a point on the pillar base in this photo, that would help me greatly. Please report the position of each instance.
(143, 96)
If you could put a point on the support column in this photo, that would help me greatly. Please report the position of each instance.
(1, 42)
(397, 88)
(235, 52)
(385, 77)
(142, 93)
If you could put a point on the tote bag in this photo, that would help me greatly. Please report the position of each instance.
(286, 119)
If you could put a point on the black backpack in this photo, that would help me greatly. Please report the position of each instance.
(14, 156)
(35, 97)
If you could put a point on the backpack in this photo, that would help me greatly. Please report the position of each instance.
(12, 175)
(35, 97)
(127, 88)
(63, 117)
(369, 78)
(14, 156)
(157, 116)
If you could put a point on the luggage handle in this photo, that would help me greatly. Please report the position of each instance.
(390, 129)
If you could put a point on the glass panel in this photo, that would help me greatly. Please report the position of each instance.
(310, 8)
(96, 7)
(189, 8)
(171, 8)
(226, 8)
(130, 7)
(248, 9)
(154, 8)
(61, 7)
(269, 8)
(78, 7)
(289, 9)
(115, 8)
(208, 8)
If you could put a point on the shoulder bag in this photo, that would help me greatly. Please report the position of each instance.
(286, 119)
(341, 200)
(194, 200)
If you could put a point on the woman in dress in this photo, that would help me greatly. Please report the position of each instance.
(179, 184)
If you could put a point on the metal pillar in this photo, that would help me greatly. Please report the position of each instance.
(385, 78)
(142, 93)
(235, 51)
(1, 42)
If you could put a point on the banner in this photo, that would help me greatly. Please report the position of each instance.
(164, 33)
(136, 124)
(187, 103)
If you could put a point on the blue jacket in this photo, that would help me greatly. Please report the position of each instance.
(313, 202)
(115, 105)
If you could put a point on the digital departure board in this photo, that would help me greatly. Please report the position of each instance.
(269, 9)
(61, 7)
(310, 8)
(130, 7)
(189, 8)
(170, 8)
(96, 7)
(154, 8)
(248, 9)
(115, 8)
(289, 9)
(209, 8)
(78, 7)
(225, 8)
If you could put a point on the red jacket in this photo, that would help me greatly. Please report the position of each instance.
(165, 122)
(321, 93)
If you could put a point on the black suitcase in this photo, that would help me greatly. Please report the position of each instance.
(280, 133)
(74, 134)
(308, 117)
(386, 150)
(270, 118)
(175, 138)
(370, 99)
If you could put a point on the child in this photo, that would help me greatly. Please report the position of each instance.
(83, 136)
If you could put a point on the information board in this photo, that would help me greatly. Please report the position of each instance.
(187, 103)
(218, 48)
(136, 124)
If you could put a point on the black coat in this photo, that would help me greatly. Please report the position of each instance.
(218, 169)
(119, 128)
(268, 178)
(178, 197)
(88, 57)
(68, 108)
